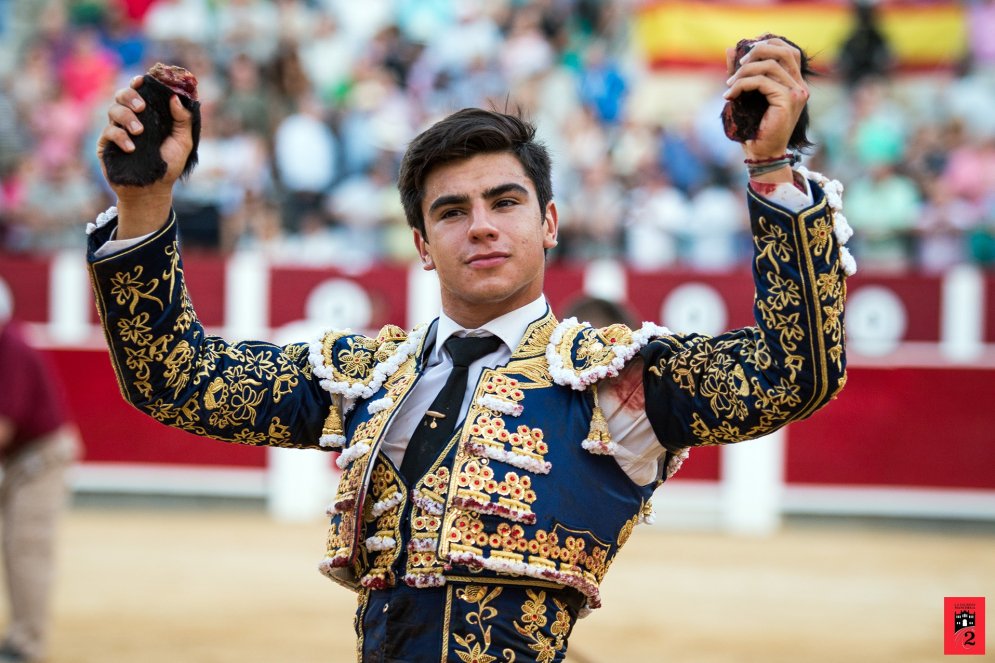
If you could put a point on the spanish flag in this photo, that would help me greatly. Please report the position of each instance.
(680, 33)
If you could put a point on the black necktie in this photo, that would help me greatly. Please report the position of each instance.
(435, 429)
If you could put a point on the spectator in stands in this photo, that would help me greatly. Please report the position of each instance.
(327, 58)
(305, 153)
(247, 27)
(981, 26)
(57, 191)
(169, 24)
(717, 236)
(681, 157)
(526, 52)
(865, 53)
(234, 166)
(247, 99)
(592, 219)
(970, 171)
(602, 85)
(941, 229)
(658, 212)
(883, 208)
(364, 205)
(38, 444)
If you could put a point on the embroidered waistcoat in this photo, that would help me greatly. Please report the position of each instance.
(523, 489)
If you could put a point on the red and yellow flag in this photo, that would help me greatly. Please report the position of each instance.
(680, 33)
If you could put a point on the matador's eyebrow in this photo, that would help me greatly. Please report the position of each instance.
(489, 194)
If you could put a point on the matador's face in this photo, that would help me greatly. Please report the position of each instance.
(485, 236)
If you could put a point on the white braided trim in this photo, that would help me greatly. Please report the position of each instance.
(841, 227)
(350, 454)
(465, 503)
(102, 220)
(380, 404)
(848, 261)
(422, 580)
(328, 565)
(427, 504)
(423, 544)
(377, 543)
(340, 506)
(585, 587)
(600, 448)
(500, 405)
(505, 456)
(623, 353)
(383, 506)
(352, 391)
(331, 441)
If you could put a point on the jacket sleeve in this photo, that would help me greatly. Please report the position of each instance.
(168, 367)
(704, 390)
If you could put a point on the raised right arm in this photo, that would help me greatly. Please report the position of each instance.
(166, 365)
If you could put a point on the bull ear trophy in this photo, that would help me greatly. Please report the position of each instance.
(741, 117)
(144, 165)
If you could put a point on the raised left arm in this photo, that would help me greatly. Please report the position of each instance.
(751, 381)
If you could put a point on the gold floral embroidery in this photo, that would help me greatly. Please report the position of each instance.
(783, 292)
(534, 342)
(128, 288)
(723, 434)
(355, 361)
(234, 398)
(186, 318)
(475, 650)
(725, 387)
(773, 244)
(135, 330)
(595, 347)
(821, 234)
(169, 274)
(533, 620)
(828, 285)
(178, 365)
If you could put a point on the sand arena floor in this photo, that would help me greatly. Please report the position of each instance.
(229, 585)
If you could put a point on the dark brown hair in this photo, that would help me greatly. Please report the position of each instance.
(464, 134)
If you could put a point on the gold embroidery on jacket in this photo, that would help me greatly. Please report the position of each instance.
(533, 620)
(475, 649)
(571, 552)
(386, 495)
(426, 522)
(229, 401)
(733, 374)
(127, 288)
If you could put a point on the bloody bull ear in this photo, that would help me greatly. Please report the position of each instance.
(144, 165)
(741, 117)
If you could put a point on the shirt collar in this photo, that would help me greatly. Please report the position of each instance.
(509, 327)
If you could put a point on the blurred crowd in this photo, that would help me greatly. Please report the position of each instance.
(307, 106)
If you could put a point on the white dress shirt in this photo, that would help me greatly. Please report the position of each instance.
(638, 450)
